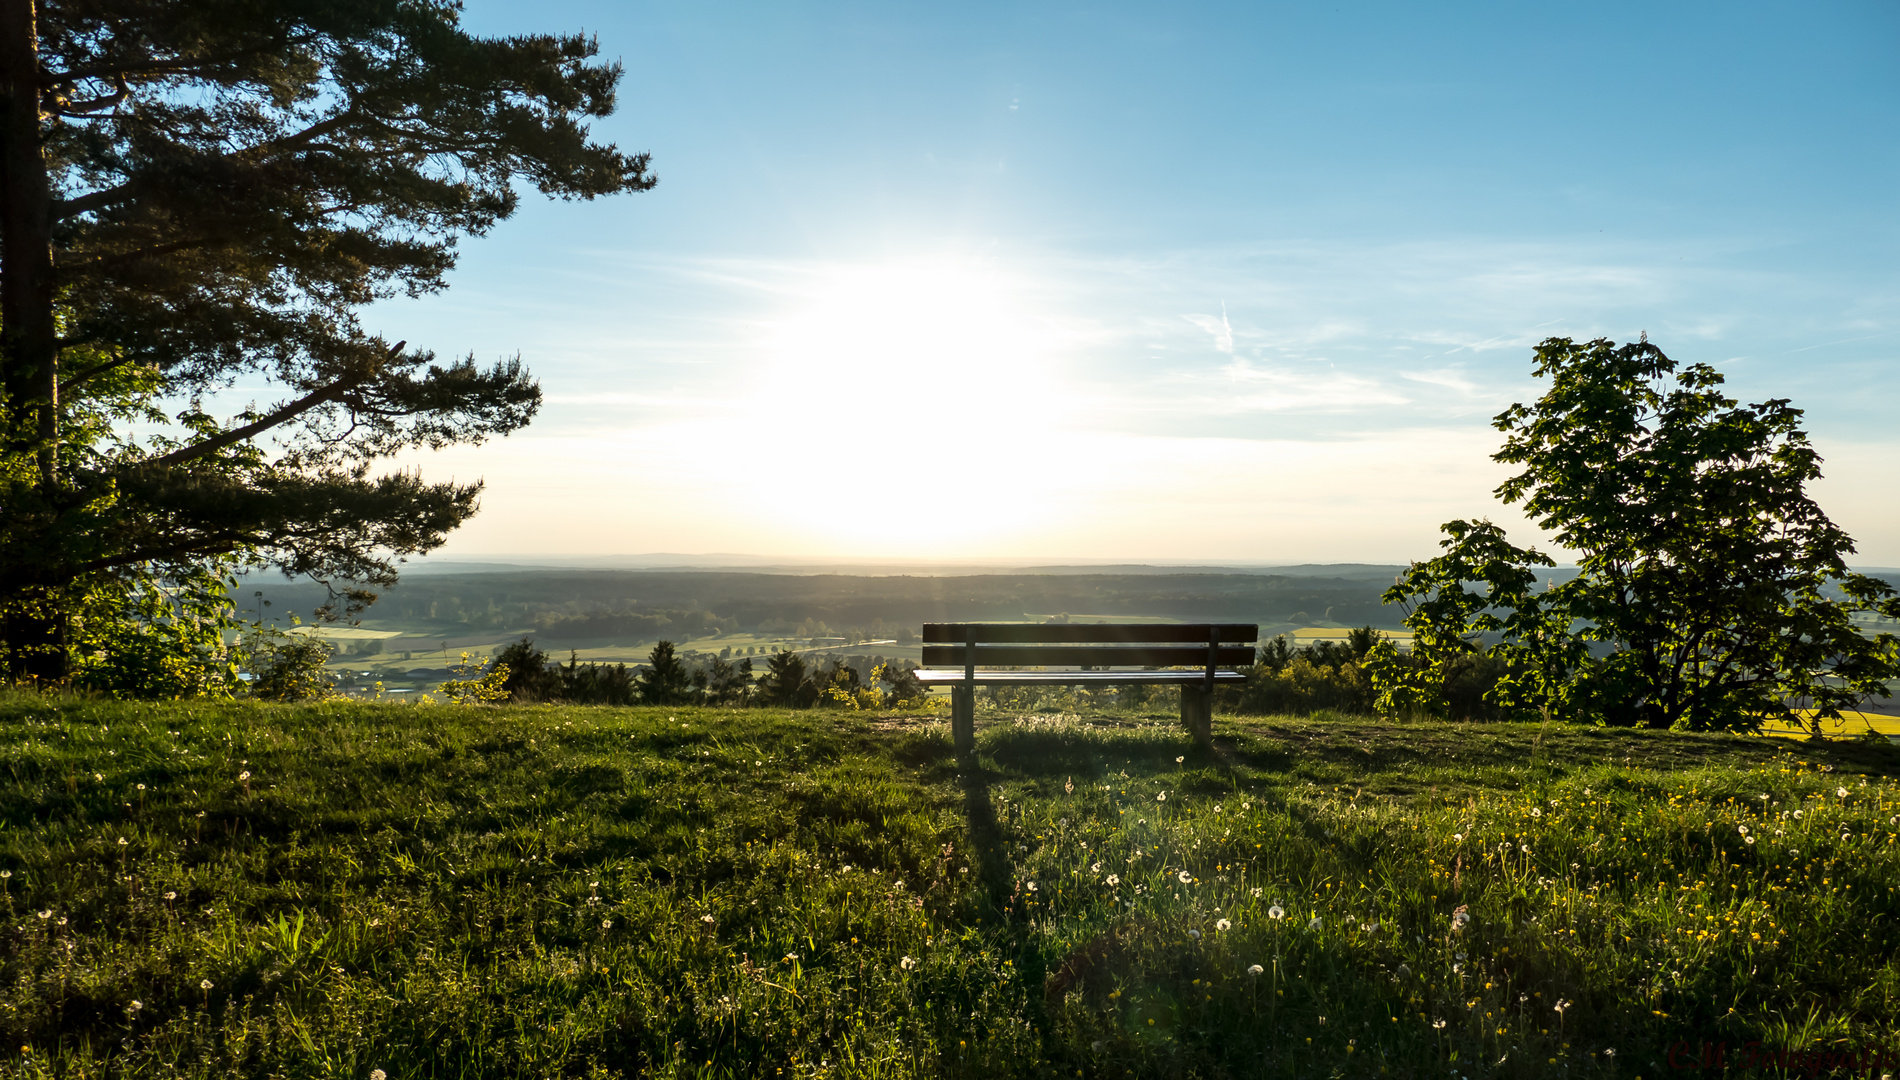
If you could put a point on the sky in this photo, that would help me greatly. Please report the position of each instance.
(1236, 283)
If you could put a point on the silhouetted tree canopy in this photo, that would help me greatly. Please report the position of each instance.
(195, 193)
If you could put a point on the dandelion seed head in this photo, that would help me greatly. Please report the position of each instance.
(1255, 969)
(245, 775)
(1223, 926)
(1185, 877)
(204, 984)
(1276, 912)
(1114, 879)
(1163, 797)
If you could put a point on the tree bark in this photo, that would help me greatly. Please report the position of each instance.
(34, 618)
(28, 333)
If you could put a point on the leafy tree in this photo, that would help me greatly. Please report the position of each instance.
(902, 688)
(1712, 592)
(665, 680)
(531, 675)
(198, 192)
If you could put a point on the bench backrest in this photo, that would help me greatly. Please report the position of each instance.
(1093, 645)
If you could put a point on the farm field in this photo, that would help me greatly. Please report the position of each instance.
(210, 890)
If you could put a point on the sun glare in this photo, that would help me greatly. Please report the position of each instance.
(938, 373)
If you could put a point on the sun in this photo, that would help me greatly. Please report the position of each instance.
(943, 371)
(943, 335)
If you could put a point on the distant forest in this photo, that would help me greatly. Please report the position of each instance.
(641, 605)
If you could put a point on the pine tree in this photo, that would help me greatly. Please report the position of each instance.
(196, 192)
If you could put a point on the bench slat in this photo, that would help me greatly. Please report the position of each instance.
(1082, 633)
(1092, 656)
(1074, 678)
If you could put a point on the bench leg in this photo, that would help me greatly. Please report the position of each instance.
(1197, 714)
(963, 719)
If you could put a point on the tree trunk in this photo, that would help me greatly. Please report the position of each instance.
(29, 337)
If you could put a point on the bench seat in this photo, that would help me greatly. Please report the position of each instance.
(940, 677)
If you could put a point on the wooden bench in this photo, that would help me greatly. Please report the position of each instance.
(964, 656)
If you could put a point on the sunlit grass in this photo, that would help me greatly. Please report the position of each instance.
(440, 891)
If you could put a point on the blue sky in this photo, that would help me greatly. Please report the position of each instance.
(1232, 282)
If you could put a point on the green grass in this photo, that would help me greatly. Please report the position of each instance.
(434, 891)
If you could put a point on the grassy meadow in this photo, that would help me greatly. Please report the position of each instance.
(347, 888)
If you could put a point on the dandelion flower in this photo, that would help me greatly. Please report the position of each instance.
(1276, 912)
(1223, 926)
(1255, 969)
(1185, 877)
